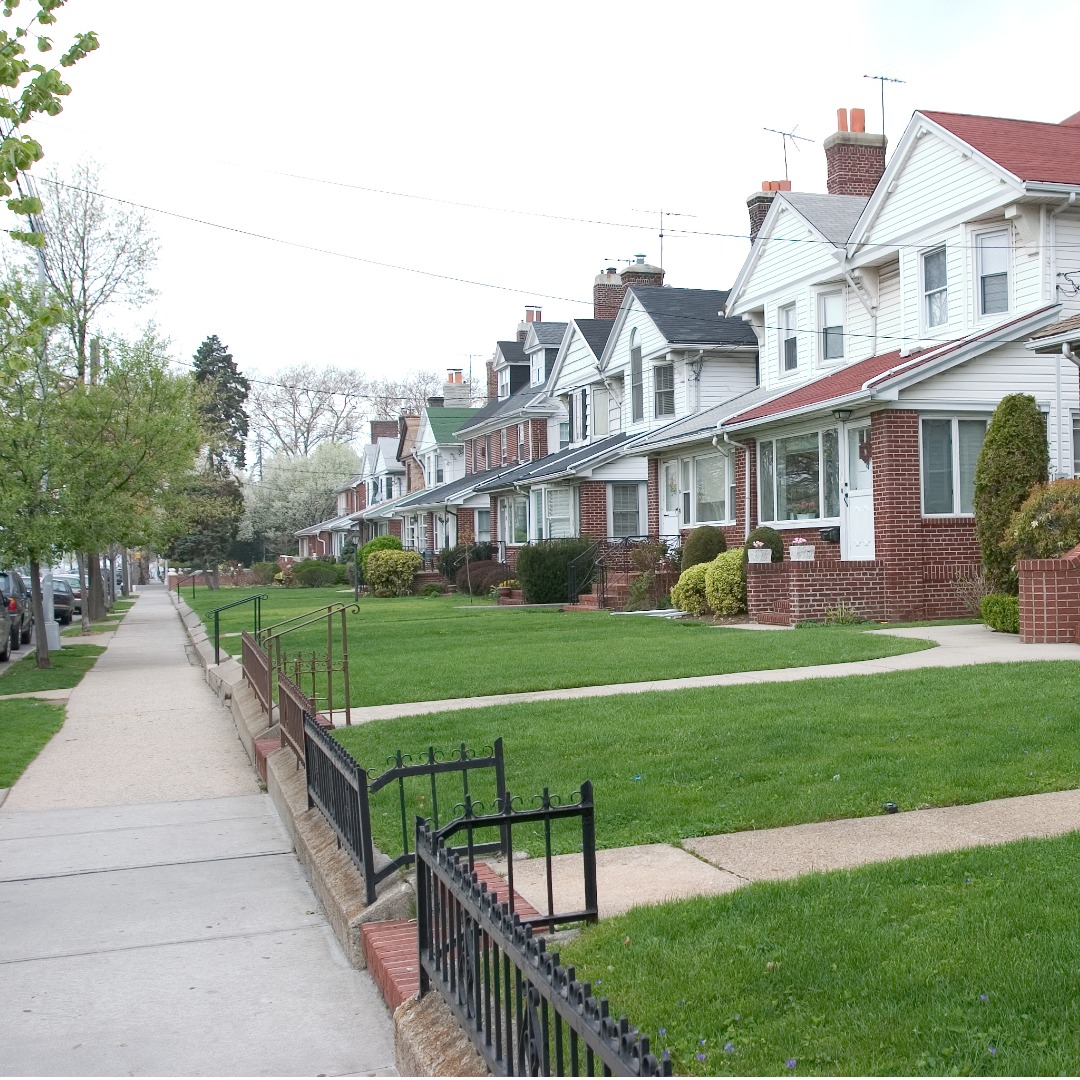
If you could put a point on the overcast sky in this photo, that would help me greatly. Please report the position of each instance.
(263, 127)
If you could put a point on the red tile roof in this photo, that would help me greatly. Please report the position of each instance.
(1028, 149)
(865, 373)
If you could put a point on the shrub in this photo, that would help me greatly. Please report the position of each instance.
(317, 577)
(725, 585)
(264, 572)
(770, 538)
(1001, 611)
(478, 578)
(542, 569)
(451, 559)
(970, 589)
(1014, 458)
(702, 545)
(1047, 524)
(390, 572)
(380, 543)
(688, 593)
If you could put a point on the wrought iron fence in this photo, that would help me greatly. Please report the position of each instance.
(526, 1014)
(632, 558)
(342, 790)
(580, 571)
(257, 671)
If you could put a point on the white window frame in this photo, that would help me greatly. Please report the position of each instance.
(767, 513)
(838, 328)
(926, 294)
(511, 509)
(482, 532)
(538, 366)
(954, 465)
(637, 379)
(643, 510)
(583, 412)
(980, 276)
(600, 420)
(504, 382)
(787, 332)
(502, 444)
(540, 517)
(663, 390)
(564, 434)
(523, 442)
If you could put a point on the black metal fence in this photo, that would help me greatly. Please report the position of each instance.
(526, 1014)
(342, 791)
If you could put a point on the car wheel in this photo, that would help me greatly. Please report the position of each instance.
(66, 620)
(13, 639)
(26, 634)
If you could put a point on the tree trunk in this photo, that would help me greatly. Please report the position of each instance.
(126, 553)
(95, 587)
(41, 638)
(84, 603)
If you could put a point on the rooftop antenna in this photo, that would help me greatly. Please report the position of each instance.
(883, 79)
(663, 214)
(795, 140)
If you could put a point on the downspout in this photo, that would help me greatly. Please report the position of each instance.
(746, 495)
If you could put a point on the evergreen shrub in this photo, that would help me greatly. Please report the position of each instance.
(542, 569)
(702, 545)
(725, 585)
(770, 538)
(390, 573)
(1047, 524)
(688, 593)
(318, 576)
(264, 573)
(380, 543)
(1001, 611)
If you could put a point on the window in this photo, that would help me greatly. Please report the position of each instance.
(600, 411)
(788, 341)
(538, 367)
(564, 434)
(434, 469)
(583, 412)
(504, 383)
(523, 443)
(502, 445)
(552, 513)
(389, 487)
(935, 288)
(832, 326)
(637, 385)
(626, 510)
(514, 519)
(483, 526)
(571, 412)
(483, 454)
(799, 477)
(710, 502)
(993, 260)
(950, 450)
(664, 390)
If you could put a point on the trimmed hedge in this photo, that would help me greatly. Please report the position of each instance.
(1001, 612)
(770, 538)
(478, 578)
(542, 569)
(725, 585)
(702, 545)
(1047, 525)
(318, 577)
(380, 543)
(391, 573)
(688, 593)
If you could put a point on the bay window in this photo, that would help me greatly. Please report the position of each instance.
(950, 451)
(799, 477)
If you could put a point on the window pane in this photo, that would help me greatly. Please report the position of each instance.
(937, 308)
(833, 342)
(558, 507)
(830, 450)
(624, 510)
(664, 387)
(995, 293)
(937, 467)
(766, 484)
(797, 477)
(934, 270)
(637, 389)
(671, 487)
(711, 488)
(970, 437)
(832, 326)
(538, 513)
(600, 412)
(483, 525)
(521, 519)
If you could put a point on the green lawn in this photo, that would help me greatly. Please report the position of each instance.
(69, 665)
(958, 964)
(697, 762)
(26, 725)
(422, 649)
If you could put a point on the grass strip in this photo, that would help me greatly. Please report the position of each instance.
(69, 665)
(699, 762)
(26, 725)
(957, 964)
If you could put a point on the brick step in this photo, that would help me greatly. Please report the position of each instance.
(773, 618)
(263, 749)
(588, 600)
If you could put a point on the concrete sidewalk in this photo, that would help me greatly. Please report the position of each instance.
(156, 919)
(957, 646)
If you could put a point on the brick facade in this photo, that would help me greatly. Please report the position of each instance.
(652, 497)
(1050, 599)
(592, 509)
(855, 162)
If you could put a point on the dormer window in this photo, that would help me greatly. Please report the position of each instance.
(504, 383)
(935, 288)
(538, 367)
(993, 266)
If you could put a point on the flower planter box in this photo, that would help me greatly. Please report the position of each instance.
(759, 555)
(802, 553)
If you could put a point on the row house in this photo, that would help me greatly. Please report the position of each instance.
(892, 315)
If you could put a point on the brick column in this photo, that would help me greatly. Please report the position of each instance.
(592, 509)
(1050, 599)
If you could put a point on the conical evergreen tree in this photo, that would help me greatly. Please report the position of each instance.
(222, 399)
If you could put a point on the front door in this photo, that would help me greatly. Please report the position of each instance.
(857, 512)
(669, 500)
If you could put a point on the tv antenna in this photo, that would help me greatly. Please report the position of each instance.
(883, 79)
(795, 140)
(663, 214)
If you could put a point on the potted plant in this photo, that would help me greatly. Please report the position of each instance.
(801, 551)
(759, 553)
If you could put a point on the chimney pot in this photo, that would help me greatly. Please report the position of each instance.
(858, 119)
(855, 158)
(841, 120)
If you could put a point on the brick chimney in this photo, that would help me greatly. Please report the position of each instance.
(639, 272)
(855, 159)
(758, 204)
(532, 314)
(384, 429)
(607, 294)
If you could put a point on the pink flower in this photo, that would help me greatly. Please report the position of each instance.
(798, 540)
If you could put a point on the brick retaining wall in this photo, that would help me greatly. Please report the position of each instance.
(1050, 599)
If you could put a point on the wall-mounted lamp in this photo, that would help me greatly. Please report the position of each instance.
(842, 414)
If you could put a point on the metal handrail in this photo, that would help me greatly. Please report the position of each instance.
(257, 599)
(188, 577)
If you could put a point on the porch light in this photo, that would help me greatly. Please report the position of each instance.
(842, 414)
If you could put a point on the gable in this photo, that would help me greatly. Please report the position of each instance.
(632, 316)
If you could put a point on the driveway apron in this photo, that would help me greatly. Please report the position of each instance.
(156, 920)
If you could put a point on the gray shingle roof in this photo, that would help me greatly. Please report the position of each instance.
(549, 333)
(512, 352)
(493, 409)
(692, 316)
(553, 464)
(444, 493)
(833, 216)
(596, 332)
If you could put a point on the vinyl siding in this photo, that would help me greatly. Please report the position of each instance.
(723, 378)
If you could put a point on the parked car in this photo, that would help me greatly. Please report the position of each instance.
(72, 581)
(19, 604)
(7, 629)
(63, 601)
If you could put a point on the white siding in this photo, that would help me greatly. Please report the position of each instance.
(578, 365)
(625, 468)
(935, 182)
(1067, 228)
(890, 320)
(724, 378)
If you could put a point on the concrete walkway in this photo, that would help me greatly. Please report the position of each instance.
(956, 646)
(156, 920)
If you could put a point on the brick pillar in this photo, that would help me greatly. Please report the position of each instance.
(1050, 599)
(652, 496)
(592, 509)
